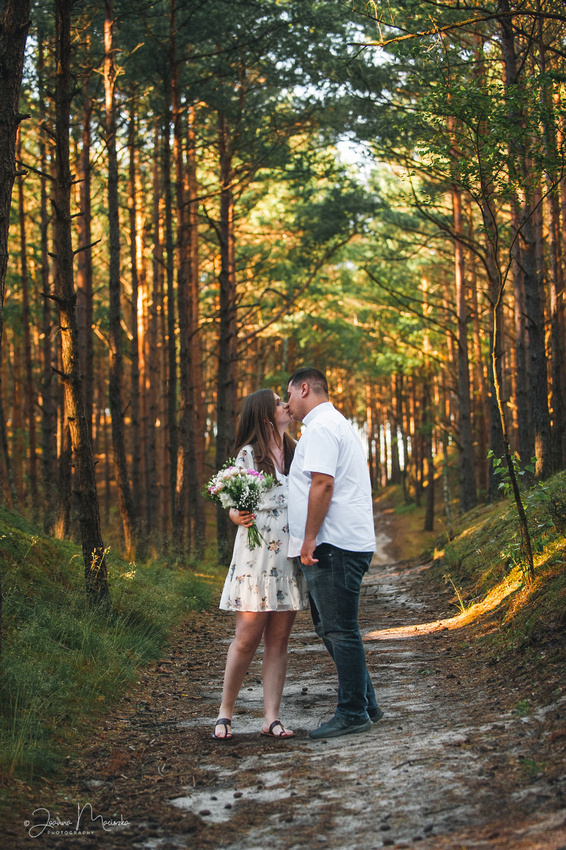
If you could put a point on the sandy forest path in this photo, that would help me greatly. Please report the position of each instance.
(470, 752)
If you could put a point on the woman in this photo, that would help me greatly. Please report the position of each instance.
(263, 586)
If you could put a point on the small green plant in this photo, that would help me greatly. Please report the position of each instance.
(523, 707)
(523, 473)
(461, 604)
(546, 512)
(531, 768)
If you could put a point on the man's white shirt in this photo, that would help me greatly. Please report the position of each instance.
(330, 445)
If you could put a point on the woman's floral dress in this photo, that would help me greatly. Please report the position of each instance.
(264, 578)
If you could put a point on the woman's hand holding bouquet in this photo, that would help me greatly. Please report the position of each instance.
(241, 489)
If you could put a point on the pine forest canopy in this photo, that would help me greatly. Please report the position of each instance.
(185, 228)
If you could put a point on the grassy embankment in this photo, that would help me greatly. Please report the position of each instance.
(63, 664)
(481, 563)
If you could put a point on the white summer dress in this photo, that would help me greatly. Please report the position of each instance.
(264, 578)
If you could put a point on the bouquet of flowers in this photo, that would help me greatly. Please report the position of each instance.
(241, 489)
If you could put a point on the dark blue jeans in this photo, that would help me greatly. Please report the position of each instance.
(334, 588)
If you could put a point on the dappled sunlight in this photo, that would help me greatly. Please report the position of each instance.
(475, 610)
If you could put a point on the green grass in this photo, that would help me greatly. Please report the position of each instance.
(62, 663)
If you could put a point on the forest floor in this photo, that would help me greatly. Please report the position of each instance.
(471, 752)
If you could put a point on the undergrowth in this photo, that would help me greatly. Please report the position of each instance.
(63, 663)
(484, 556)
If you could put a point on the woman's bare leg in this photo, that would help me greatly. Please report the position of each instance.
(249, 629)
(275, 639)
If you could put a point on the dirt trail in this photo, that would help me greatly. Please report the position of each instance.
(456, 762)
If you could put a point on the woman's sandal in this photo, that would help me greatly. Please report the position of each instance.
(227, 723)
(284, 732)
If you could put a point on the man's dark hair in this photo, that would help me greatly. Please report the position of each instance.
(311, 376)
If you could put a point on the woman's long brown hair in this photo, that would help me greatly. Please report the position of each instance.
(256, 426)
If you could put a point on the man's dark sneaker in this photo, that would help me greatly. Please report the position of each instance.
(338, 726)
(375, 714)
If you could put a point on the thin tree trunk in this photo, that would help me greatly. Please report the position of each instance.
(558, 360)
(493, 267)
(65, 475)
(48, 410)
(227, 343)
(29, 394)
(395, 463)
(84, 266)
(468, 496)
(16, 417)
(521, 176)
(370, 434)
(404, 427)
(134, 346)
(152, 486)
(481, 416)
(172, 434)
(195, 388)
(525, 436)
(96, 579)
(7, 458)
(426, 426)
(116, 363)
(560, 297)
(524, 528)
(181, 526)
(13, 33)
(105, 448)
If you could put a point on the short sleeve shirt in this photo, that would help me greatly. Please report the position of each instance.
(330, 445)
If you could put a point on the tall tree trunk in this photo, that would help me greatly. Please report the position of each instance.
(116, 363)
(7, 458)
(64, 475)
(13, 33)
(481, 415)
(560, 308)
(105, 444)
(48, 409)
(134, 347)
(152, 483)
(29, 394)
(195, 388)
(395, 413)
(181, 525)
(468, 496)
(84, 265)
(427, 426)
(521, 180)
(96, 579)
(227, 343)
(524, 528)
(557, 342)
(525, 436)
(370, 434)
(14, 27)
(491, 229)
(172, 434)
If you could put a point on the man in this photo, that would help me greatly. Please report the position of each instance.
(331, 529)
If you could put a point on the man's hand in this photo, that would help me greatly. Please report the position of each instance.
(307, 550)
